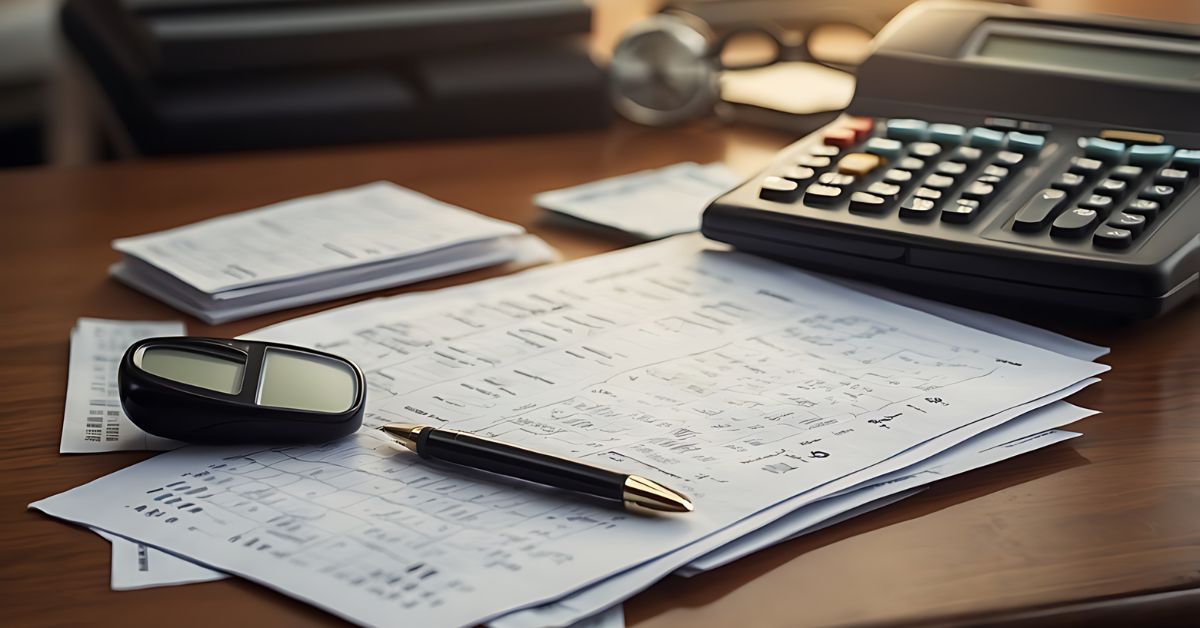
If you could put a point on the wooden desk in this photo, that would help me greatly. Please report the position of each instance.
(1115, 514)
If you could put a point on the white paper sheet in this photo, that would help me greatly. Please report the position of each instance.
(651, 204)
(362, 225)
(742, 382)
(136, 566)
(93, 420)
(784, 520)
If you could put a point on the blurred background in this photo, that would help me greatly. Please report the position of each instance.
(91, 80)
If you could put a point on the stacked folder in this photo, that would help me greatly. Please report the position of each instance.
(315, 249)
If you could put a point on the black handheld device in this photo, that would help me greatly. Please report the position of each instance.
(999, 155)
(212, 390)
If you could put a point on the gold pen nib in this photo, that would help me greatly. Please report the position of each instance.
(405, 434)
(643, 494)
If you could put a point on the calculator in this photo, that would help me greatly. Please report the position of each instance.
(999, 154)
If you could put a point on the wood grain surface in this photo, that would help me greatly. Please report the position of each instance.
(1111, 516)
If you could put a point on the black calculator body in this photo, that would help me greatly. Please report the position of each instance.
(999, 154)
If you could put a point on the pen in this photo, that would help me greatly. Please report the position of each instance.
(469, 450)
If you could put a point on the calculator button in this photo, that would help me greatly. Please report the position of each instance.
(1129, 222)
(1112, 238)
(967, 153)
(1001, 124)
(1142, 155)
(1097, 201)
(962, 210)
(841, 137)
(778, 189)
(1126, 172)
(1187, 159)
(897, 176)
(825, 151)
(814, 161)
(910, 163)
(1025, 142)
(818, 194)
(1172, 176)
(989, 179)
(1068, 181)
(951, 168)
(1008, 159)
(929, 194)
(1041, 128)
(939, 181)
(867, 203)
(1085, 166)
(1136, 137)
(924, 150)
(1110, 187)
(1074, 223)
(835, 179)
(995, 171)
(1160, 193)
(1039, 210)
(1143, 207)
(885, 190)
(946, 133)
(1104, 150)
(917, 208)
(861, 126)
(907, 129)
(980, 137)
(887, 148)
(799, 174)
(978, 190)
(859, 164)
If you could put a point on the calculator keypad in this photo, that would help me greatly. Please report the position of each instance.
(1108, 191)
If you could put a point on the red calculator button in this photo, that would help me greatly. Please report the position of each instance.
(862, 126)
(841, 137)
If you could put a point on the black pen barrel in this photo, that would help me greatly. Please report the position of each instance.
(488, 455)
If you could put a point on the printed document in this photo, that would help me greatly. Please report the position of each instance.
(92, 419)
(741, 382)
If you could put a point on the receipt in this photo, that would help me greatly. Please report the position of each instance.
(93, 420)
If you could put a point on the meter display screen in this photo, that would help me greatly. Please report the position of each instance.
(195, 368)
(1092, 57)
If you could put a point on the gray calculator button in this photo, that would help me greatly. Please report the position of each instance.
(924, 149)
(1172, 176)
(1085, 166)
(799, 174)
(864, 202)
(833, 178)
(1126, 172)
(1097, 202)
(825, 150)
(951, 168)
(1068, 181)
(1160, 193)
(1110, 187)
(996, 171)
(897, 176)
(1143, 207)
(778, 189)
(910, 163)
(886, 190)
(938, 181)
(814, 161)
(917, 208)
(978, 190)
(1112, 238)
(1130, 222)
(1008, 158)
(1074, 223)
(989, 179)
(968, 153)
(1039, 210)
(818, 194)
(961, 211)
(928, 193)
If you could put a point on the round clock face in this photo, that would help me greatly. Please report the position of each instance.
(662, 73)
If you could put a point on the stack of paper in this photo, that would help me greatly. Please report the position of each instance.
(778, 400)
(316, 248)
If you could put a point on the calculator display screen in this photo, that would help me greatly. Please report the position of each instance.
(197, 369)
(1077, 55)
